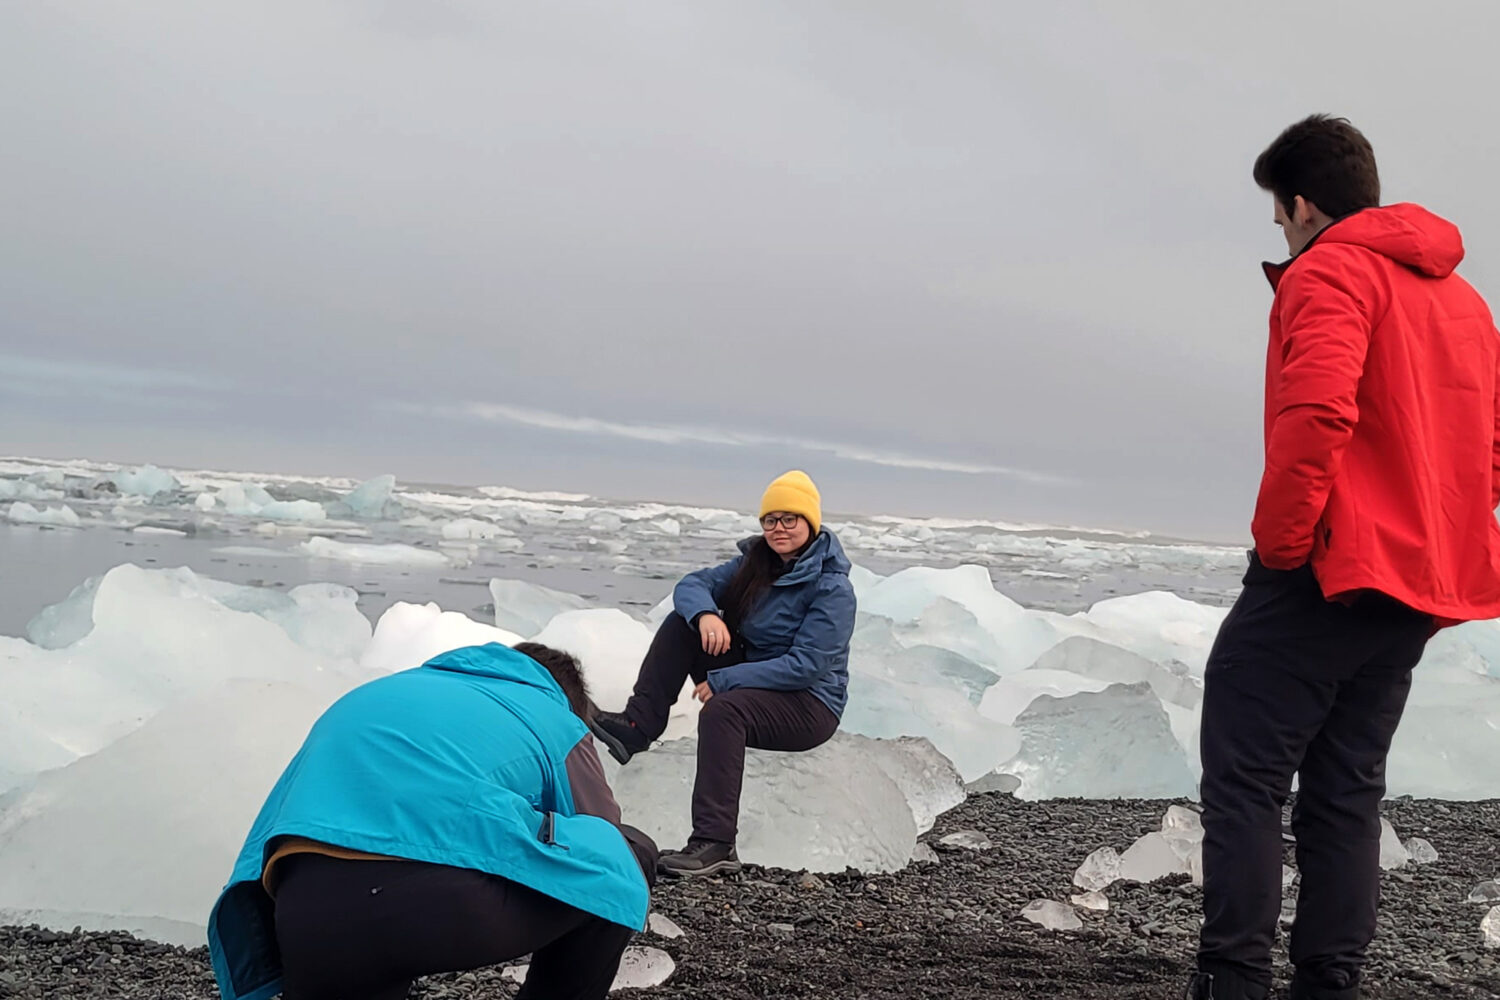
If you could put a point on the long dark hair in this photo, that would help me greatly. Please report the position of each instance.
(758, 570)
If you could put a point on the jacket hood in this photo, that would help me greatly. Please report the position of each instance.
(499, 662)
(1408, 234)
(824, 555)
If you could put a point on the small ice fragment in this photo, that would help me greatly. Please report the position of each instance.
(1392, 854)
(1150, 858)
(1182, 820)
(1421, 851)
(1099, 870)
(781, 928)
(924, 854)
(1288, 876)
(1485, 892)
(1051, 914)
(665, 926)
(969, 840)
(640, 968)
(1093, 900)
(1490, 928)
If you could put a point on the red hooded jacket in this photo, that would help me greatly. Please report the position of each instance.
(1382, 423)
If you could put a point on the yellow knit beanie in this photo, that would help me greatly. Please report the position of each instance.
(794, 493)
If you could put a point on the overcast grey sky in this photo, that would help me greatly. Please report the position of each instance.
(981, 258)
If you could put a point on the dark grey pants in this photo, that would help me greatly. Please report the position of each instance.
(1299, 685)
(730, 722)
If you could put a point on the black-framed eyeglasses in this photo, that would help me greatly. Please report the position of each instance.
(787, 521)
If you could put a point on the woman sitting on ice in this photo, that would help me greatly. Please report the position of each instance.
(437, 820)
(765, 638)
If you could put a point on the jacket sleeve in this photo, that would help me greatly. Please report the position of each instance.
(700, 591)
(591, 794)
(1326, 316)
(1495, 460)
(821, 641)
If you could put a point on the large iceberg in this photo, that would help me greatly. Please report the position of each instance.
(141, 835)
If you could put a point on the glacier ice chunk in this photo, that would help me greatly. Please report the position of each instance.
(925, 777)
(1116, 743)
(389, 554)
(64, 623)
(1092, 900)
(1084, 656)
(1393, 854)
(896, 690)
(60, 516)
(211, 759)
(960, 609)
(1485, 892)
(1421, 851)
(526, 608)
(968, 840)
(1150, 858)
(145, 481)
(640, 968)
(663, 926)
(1051, 915)
(20, 489)
(610, 646)
(823, 810)
(372, 500)
(408, 635)
(1489, 928)
(1099, 870)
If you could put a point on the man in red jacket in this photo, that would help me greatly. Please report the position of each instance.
(1374, 526)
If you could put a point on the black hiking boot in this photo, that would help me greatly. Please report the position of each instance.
(1303, 990)
(700, 857)
(619, 734)
(1204, 986)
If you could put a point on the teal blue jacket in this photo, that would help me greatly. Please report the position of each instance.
(459, 762)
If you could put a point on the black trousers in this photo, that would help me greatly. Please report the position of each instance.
(1299, 685)
(364, 930)
(730, 722)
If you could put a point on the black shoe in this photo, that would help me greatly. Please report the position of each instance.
(700, 857)
(619, 734)
(1204, 986)
(1302, 990)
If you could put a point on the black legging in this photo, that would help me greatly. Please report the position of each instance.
(363, 930)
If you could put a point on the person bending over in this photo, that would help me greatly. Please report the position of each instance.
(440, 819)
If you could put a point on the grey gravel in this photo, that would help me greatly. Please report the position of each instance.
(932, 931)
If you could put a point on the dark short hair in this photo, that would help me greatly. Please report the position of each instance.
(565, 670)
(1325, 160)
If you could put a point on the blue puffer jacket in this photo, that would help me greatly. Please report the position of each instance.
(459, 762)
(797, 637)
